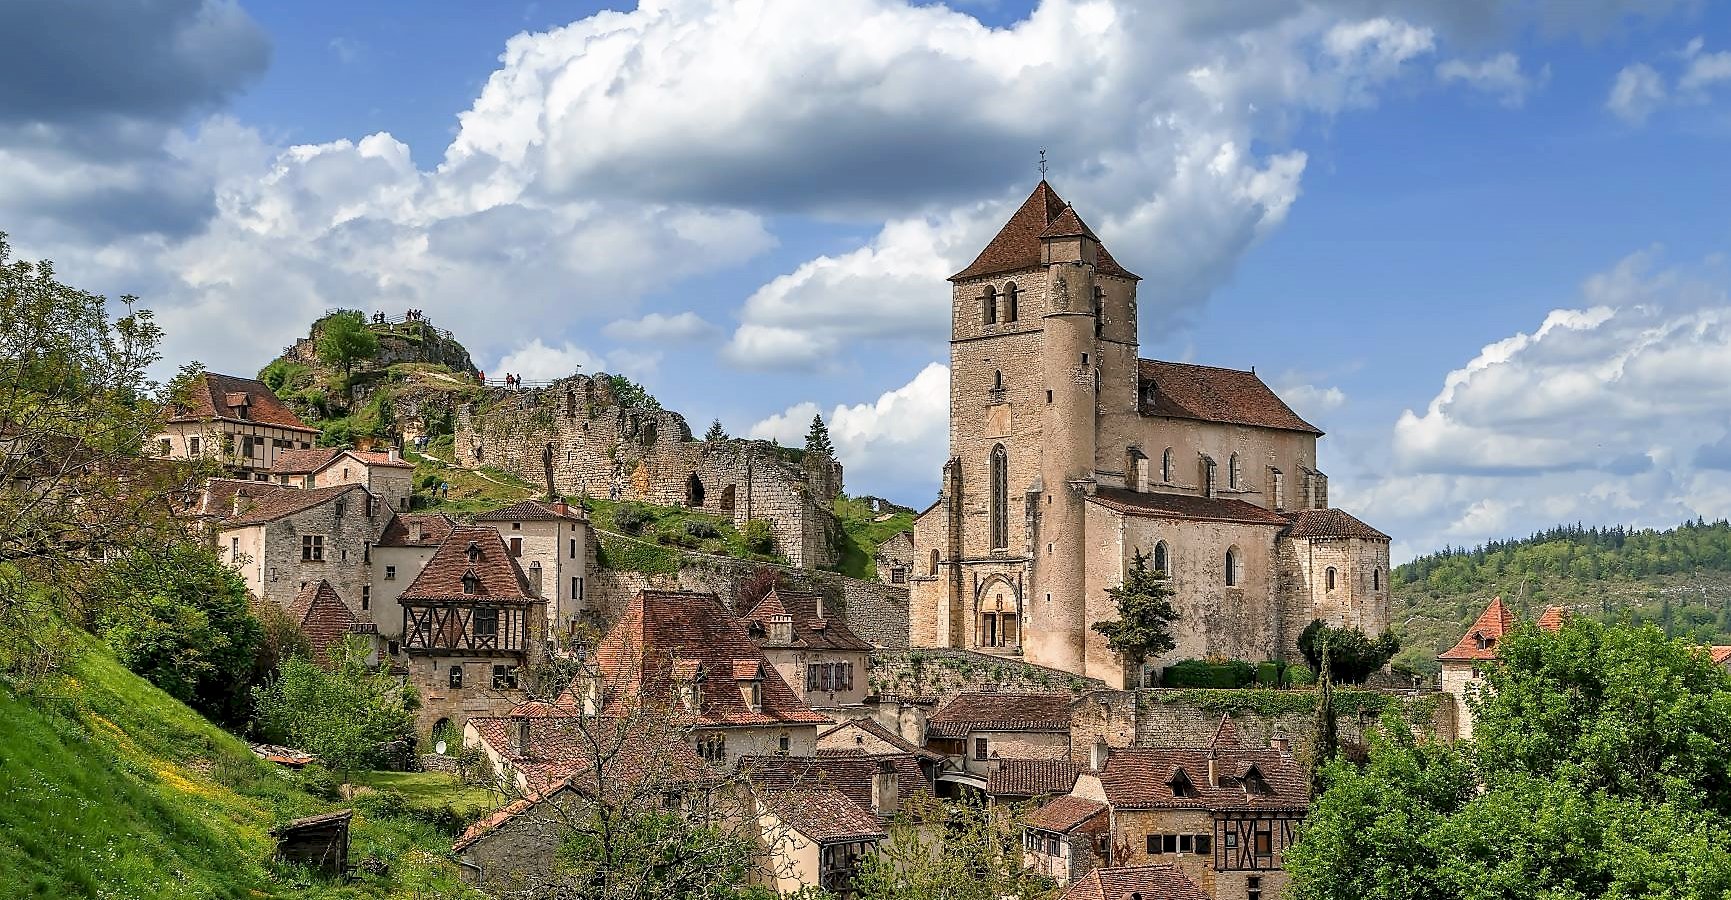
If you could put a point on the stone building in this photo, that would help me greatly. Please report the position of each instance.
(1070, 454)
(1135, 883)
(1066, 838)
(578, 436)
(402, 551)
(386, 474)
(979, 730)
(327, 621)
(817, 655)
(283, 540)
(551, 542)
(1463, 664)
(470, 623)
(1222, 814)
(239, 421)
(895, 560)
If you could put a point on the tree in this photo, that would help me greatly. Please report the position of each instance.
(817, 439)
(951, 850)
(344, 338)
(1353, 655)
(179, 617)
(715, 432)
(1143, 628)
(344, 714)
(630, 394)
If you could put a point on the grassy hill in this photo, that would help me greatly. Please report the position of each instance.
(864, 530)
(110, 788)
(1678, 578)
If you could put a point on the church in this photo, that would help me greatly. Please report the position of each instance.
(1070, 455)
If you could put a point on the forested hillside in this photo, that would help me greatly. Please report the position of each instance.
(1678, 578)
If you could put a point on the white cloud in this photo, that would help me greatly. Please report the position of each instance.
(1703, 71)
(1499, 76)
(536, 361)
(685, 326)
(1637, 91)
(1312, 400)
(897, 440)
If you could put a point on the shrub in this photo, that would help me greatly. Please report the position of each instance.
(667, 536)
(1200, 673)
(1268, 674)
(631, 517)
(318, 781)
(1352, 655)
(702, 528)
(1299, 674)
(759, 537)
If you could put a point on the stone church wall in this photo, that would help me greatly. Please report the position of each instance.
(601, 448)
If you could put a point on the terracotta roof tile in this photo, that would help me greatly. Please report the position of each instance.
(636, 660)
(1553, 618)
(1210, 394)
(810, 630)
(872, 727)
(1720, 655)
(1140, 882)
(226, 397)
(493, 820)
(990, 711)
(851, 774)
(1185, 506)
(323, 617)
(1330, 523)
(1017, 245)
(1067, 813)
(1144, 777)
(303, 462)
(471, 549)
(1032, 778)
(435, 527)
(563, 749)
(268, 503)
(531, 511)
(1492, 624)
(824, 816)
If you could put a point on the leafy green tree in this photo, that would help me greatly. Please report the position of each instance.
(758, 536)
(951, 850)
(179, 617)
(631, 394)
(1353, 655)
(817, 439)
(715, 432)
(344, 339)
(1143, 628)
(643, 852)
(342, 714)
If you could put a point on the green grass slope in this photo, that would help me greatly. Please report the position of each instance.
(110, 788)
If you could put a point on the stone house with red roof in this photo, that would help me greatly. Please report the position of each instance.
(401, 552)
(551, 542)
(979, 731)
(239, 421)
(327, 621)
(283, 540)
(1136, 883)
(1222, 814)
(1066, 838)
(1463, 664)
(385, 473)
(1070, 454)
(816, 654)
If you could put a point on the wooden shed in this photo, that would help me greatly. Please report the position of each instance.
(318, 842)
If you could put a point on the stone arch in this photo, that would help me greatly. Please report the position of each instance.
(1011, 313)
(694, 492)
(1330, 578)
(1234, 566)
(934, 569)
(989, 306)
(727, 500)
(998, 614)
(1162, 557)
(1376, 578)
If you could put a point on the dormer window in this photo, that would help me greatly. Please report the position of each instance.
(1255, 784)
(474, 552)
(1484, 641)
(471, 584)
(1181, 784)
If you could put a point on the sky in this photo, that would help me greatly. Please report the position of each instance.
(1480, 243)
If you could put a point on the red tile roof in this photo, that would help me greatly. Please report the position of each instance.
(1032, 778)
(226, 397)
(566, 749)
(872, 727)
(637, 659)
(268, 503)
(823, 816)
(810, 630)
(1492, 624)
(435, 527)
(1144, 777)
(991, 711)
(1720, 654)
(1185, 506)
(1139, 882)
(1017, 245)
(1330, 523)
(532, 511)
(303, 462)
(1210, 394)
(1061, 815)
(1553, 618)
(323, 617)
(850, 773)
(471, 549)
(494, 819)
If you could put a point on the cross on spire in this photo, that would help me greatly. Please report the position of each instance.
(1042, 163)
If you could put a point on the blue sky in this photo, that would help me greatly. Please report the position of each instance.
(751, 207)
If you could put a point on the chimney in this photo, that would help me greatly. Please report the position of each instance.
(523, 736)
(415, 532)
(1280, 743)
(885, 790)
(1213, 769)
(561, 507)
(235, 504)
(393, 454)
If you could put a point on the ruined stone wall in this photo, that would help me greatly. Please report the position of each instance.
(603, 449)
(399, 342)
(937, 676)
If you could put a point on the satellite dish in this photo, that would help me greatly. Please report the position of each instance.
(439, 748)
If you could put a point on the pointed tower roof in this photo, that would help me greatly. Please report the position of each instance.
(1553, 618)
(1017, 245)
(1480, 641)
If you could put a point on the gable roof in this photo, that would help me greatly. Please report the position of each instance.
(435, 527)
(1211, 394)
(1066, 813)
(823, 816)
(1141, 778)
(532, 511)
(974, 711)
(1553, 618)
(1032, 778)
(323, 617)
(810, 630)
(267, 502)
(849, 773)
(303, 462)
(876, 729)
(1226, 736)
(1017, 245)
(1330, 523)
(659, 631)
(1142, 882)
(564, 749)
(500, 579)
(1719, 654)
(229, 398)
(1493, 623)
(1185, 506)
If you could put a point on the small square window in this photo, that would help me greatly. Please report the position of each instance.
(1153, 845)
(1184, 843)
(390, 573)
(456, 677)
(1230, 840)
(504, 678)
(1204, 844)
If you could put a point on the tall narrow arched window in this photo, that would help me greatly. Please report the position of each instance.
(989, 306)
(1376, 578)
(1010, 311)
(1099, 310)
(1166, 466)
(1233, 563)
(1331, 578)
(1000, 497)
(934, 570)
(998, 380)
(1160, 561)
(1234, 473)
